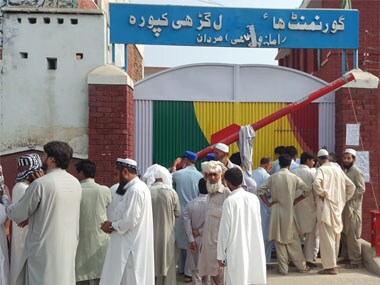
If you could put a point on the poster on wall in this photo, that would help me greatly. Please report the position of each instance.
(362, 161)
(352, 134)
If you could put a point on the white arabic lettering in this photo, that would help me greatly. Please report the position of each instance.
(206, 23)
(218, 26)
(132, 19)
(142, 24)
(159, 22)
(280, 25)
(188, 22)
(337, 25)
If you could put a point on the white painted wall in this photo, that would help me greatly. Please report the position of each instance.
(37, 104)
(230, 83)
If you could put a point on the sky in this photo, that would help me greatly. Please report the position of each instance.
(171, 56)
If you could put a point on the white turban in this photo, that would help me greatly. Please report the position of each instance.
(157, 171)
(213, 167)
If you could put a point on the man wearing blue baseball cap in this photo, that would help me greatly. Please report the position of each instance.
(186, 184)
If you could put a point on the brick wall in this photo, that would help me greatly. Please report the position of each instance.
(135, 63)
(86, 4)
(110, 128)
(365, 102)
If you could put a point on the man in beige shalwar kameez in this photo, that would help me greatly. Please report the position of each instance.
(208, 263)
(352, 213)
(305, 211)
(283, 186)
(165, 209)
(334, 188)
(51, 206)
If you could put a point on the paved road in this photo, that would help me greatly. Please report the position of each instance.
(345, 277)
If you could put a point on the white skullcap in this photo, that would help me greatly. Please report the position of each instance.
(322, 152)
(213, 167)
(350, 151)
(222, 147)
(127, 162)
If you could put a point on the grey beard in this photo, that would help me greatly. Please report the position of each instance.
(212, 188)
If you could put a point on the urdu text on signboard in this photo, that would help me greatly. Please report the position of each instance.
(234, 27)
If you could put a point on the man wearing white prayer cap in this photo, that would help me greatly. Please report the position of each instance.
(333, 188)
(129, 258)
(166, 209)
(207, 263)
(221, 154)
(352, 213)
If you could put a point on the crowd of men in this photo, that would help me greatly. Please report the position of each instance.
(216, 226)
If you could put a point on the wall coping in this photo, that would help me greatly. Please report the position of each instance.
(109, 75)
(40, 10)
(36, 148)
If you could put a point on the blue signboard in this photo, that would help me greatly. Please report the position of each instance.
(234, 27)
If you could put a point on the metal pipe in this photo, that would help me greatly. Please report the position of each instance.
(284, 111)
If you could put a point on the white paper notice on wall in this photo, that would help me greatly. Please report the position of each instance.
(352, 134)
(362, 161)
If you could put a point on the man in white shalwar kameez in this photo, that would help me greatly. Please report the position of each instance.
(207, 263)
(166, 209)
(27, 164)
(4, 262)
(51, 205)
(194, 219)
(240, 239)
(305, 210)
(130, 254)
(334, 189)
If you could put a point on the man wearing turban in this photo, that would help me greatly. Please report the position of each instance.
(208, 264)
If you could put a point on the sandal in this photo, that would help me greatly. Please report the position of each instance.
(305, 269)
(331, 271)
(351, 266)
(311, 264)
(344, 261)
